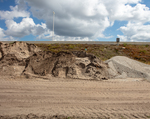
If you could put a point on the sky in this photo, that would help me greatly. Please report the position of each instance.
(75, 20)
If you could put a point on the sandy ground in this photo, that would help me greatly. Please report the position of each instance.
(112, 99)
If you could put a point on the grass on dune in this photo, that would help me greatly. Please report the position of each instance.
(104, 52)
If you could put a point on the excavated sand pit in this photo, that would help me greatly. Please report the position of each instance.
(22, 59)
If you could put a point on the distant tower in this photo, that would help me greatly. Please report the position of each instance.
(117, 40)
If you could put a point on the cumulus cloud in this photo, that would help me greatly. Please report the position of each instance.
(86, 18)
(25, 27)
(76, 19)
(2, 33)
(128, 13)
(14, 13)
(135, 31)
(4, 37)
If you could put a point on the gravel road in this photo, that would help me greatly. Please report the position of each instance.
(113, 99)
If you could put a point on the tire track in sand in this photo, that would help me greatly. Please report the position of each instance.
(114, 99)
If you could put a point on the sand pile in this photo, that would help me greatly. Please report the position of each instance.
(12, 57)
(66, 65)
(21, 58)
(19, 49)
(124, 67)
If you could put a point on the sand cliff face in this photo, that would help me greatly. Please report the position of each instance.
(25, 59)
(20, 49)
(66, 65)
(12, 57)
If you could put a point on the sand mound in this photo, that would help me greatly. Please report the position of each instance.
(21, 58)
(19, 49)
(12, 57)
(124, 67)
(66, 65)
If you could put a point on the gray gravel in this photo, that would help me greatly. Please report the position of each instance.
(124, 67)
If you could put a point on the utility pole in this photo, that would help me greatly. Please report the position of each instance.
(53, 24)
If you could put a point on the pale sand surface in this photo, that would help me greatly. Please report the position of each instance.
(114, 99)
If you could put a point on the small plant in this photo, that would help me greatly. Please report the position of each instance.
(54, 46)
(147, 116)
(146, 45)
(12, 42)
(49, 45)
(71, 46)
(143, 51)
(125, 44)
(116, 50)
(122, 117)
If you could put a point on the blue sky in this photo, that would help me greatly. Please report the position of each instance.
(75, 20)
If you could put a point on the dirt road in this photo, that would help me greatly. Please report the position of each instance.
(126, 99)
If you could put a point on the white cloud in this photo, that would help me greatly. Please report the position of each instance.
(2, 33)
(45, 35)
(14, 13)
(25, 27)
(4, 37)
(128, 13)
(76, 19)
(135, 31)
(86, 18)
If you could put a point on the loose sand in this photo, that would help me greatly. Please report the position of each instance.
(63, 96)
(38, 98)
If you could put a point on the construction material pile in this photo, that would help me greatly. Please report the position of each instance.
(21, 58)
(124, 67)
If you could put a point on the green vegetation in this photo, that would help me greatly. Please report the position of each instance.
(125, 44)
(147, 45)
(138, 52)
(12, 42)
(104, 52)
(148, 116)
